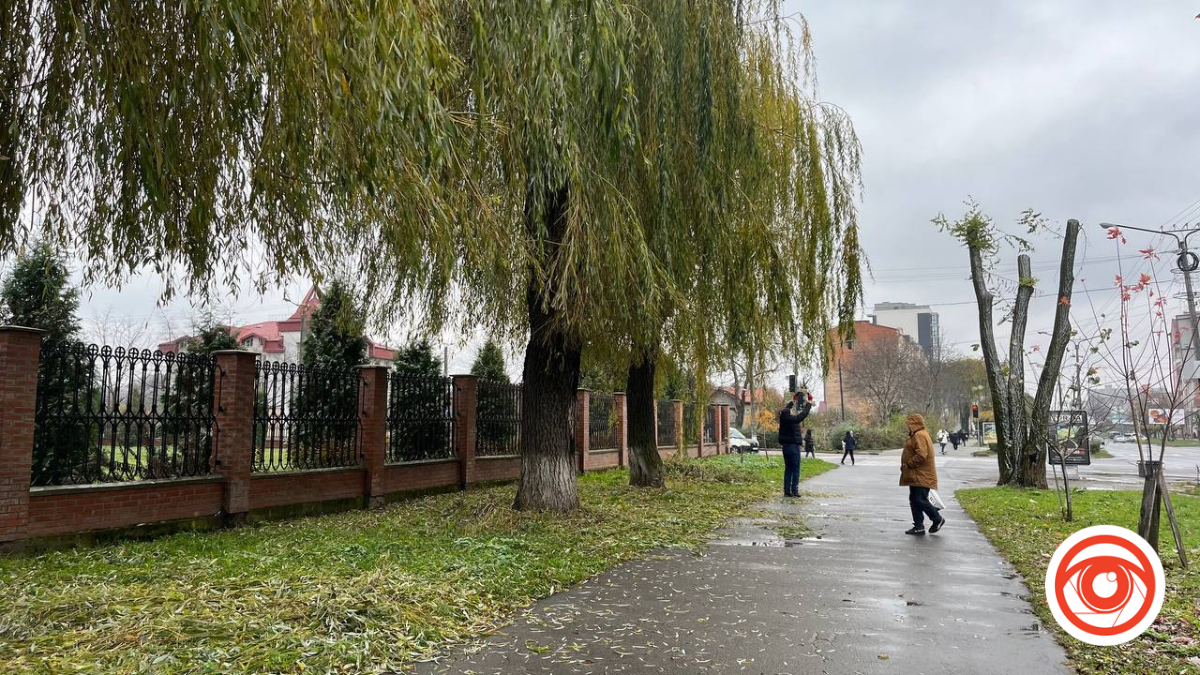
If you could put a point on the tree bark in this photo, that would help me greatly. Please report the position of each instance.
(1016, 412)
(991, 360)
(1032, 470)
(645, 464)
(551, 376)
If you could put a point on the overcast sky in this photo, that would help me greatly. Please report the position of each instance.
(1076, 109)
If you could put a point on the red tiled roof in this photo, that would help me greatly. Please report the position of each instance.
(271, 332)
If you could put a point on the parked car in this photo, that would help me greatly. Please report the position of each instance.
(739, 443)
(1124, 438)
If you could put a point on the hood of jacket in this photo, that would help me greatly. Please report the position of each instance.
(915, 423)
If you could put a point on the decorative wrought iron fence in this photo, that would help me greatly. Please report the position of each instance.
(420, 418)
(497, 419)
(108, 415)
(710, 424)
(602, 423)
(666, 424)
(305, 417)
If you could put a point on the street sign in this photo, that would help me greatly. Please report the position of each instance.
(1069, 442)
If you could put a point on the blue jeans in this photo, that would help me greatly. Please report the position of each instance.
(791, 468)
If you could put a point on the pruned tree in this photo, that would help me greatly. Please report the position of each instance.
(1021, 426)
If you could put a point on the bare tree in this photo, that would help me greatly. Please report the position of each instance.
(881, 374)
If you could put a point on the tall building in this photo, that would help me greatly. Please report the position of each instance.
(918, 322)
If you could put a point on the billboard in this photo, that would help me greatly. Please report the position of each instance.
(1068, 438)
(1164, 416)
(989, 432)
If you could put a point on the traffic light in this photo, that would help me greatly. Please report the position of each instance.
(975, 410)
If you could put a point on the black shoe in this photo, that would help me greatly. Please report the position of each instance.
(937, 526)
(918, 531)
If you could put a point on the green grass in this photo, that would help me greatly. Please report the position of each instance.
(1026, 527)
(353, 592)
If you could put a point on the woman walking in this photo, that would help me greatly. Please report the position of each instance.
(809, 445)
(942, 440)
(849, 443)
(919, 473)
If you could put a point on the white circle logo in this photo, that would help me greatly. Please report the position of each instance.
(1105, 585)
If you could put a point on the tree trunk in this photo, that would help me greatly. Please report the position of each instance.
(1016, 412)
(1032, 471)
(991, 360)
(645, 464)
(551, 376)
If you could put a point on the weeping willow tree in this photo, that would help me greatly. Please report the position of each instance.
(226, 140)
(746, 195)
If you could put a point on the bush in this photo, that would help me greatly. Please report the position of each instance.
(769, 440)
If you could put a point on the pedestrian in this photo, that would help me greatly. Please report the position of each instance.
(809, 444)
(942, 438)
(789, 437)
(956, 439)
(919, 473)
(849, 443)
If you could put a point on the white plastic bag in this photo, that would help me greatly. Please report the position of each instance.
(936, 500)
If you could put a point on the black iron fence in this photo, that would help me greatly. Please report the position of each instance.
(305, 417)
(497, 419)
(710, 423)
(109, 415)
(666, 424)
(420, 418)
(602, 422)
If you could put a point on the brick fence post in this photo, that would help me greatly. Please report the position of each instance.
(583, 409)
(677, 414)
(20, 355)
(234, 413)
(372, 419)
(723, 426)
(465, 398)
(622, 423)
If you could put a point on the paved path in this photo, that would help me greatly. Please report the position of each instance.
(861, 598)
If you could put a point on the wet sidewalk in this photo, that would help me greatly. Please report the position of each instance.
(861, 598)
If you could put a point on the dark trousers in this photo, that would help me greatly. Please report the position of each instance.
(848, 452)
(808, 451)
(791, 468)
(918, 501)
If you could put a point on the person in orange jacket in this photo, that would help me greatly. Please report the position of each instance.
(919, 473)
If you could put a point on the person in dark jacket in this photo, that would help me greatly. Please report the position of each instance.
(849, 443)
(789, 437)
(809, 444)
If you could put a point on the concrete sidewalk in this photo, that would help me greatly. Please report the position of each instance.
(861, 598)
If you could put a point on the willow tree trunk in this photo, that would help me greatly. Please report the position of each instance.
(551, 376)
(645, 464)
